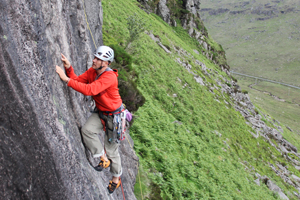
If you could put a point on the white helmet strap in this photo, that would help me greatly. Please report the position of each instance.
(101, 67)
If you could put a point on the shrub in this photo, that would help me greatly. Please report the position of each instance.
(244, 91)
(153, 4)
(234, 79)
(122, 57)
(136, 26)
(227, 83)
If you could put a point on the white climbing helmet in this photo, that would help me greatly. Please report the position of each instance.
(105, 53)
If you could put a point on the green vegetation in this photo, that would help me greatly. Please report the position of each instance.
(136, 26)
(122, 57)
(190, 145)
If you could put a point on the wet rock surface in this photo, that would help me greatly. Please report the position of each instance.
(42, 154)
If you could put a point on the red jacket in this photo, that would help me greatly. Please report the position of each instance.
(104, 90)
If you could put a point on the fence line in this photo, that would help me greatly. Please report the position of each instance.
(263, 79)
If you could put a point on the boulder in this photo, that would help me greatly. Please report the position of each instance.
(164, 48)
(41, 150)
(163, 11)
(197, 34)
(276, 135)
(257, 175)
(283, 169)
(197, 52)
(257, 182)
(289, 128)
(288, 146)
(173, 22)
(254, 135)
(272, 186)
(199, 80)
(205, 46)
(203, 66)
(296, 178)
(193, 6)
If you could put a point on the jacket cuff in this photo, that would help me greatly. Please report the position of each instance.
(69, 70)
(69, 82)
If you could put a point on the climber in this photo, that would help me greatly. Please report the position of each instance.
(101, 82)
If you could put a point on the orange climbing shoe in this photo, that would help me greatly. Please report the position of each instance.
(112, 186)
(102, 165)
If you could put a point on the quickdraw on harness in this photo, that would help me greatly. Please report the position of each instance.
(114, 124)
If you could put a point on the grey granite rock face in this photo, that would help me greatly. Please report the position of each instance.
(41, 152)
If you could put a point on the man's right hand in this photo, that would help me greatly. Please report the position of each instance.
(65, 61)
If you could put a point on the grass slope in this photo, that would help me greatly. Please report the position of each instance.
(182, 155)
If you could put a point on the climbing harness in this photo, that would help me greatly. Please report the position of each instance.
(114, 122)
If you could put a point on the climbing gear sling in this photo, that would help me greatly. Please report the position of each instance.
(114, 122)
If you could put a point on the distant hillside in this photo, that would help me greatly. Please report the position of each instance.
(261, 38)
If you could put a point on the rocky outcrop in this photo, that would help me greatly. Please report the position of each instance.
(191, 21)
(163, 11)
(273, 187)
(193, 6)
(41, 151)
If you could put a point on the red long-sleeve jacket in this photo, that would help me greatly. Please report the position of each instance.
(104, 90)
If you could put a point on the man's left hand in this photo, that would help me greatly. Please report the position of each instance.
(62, 74)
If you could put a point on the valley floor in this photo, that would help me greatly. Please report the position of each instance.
(281, 102)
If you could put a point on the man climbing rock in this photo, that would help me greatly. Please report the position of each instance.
(101, 82)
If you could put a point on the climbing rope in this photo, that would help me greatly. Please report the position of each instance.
(88, 25)
(122, 189)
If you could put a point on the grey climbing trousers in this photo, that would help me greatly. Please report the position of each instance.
(90, 131)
